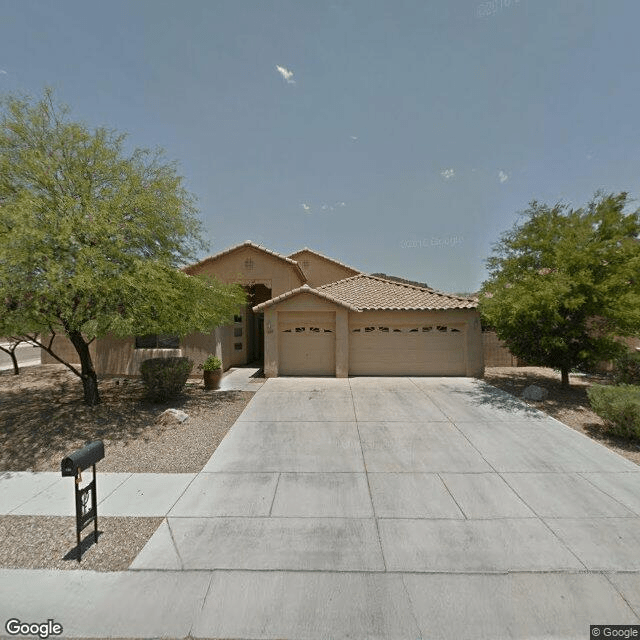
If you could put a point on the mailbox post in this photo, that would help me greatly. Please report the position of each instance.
(73, 465)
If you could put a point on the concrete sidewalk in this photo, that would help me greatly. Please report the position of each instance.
(371, 508)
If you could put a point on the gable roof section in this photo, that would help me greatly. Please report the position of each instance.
(369, 293)
(294, 256)
(244, 245)
(305, 288)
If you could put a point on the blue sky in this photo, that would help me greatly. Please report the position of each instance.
(398, 136)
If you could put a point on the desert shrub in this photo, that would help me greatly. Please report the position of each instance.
(165, 378)
(627, 369)
(619, 407)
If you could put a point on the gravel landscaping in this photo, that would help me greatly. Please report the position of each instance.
(43, 418)
(567, 404)
(49, 542)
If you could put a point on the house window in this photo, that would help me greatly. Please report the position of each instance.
(157, 341)
(237, 319)
(238, 346)
(237, 333)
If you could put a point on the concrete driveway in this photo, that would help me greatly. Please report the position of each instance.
(405, 508)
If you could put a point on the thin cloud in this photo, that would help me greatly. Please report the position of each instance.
(286, 74)
(306, 207)
(447, 174)
(353, 138)
(503, 177)
(3, 72)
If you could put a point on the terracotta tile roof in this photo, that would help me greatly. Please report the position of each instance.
(242, 245)
(369, 293)
(294, 256)
(305, 288)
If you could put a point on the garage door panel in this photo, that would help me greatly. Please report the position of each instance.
(307, 350)
(389, 350)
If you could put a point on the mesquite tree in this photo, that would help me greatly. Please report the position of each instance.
(92, 238)
(564, 283)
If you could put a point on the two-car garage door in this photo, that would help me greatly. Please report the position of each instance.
(388, 350)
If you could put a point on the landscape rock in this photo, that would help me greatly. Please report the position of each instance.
(171, 416)
(534, 392)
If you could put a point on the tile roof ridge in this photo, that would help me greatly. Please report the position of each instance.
(331, 284)
(419, 288)
(321, 255)
(305, 288)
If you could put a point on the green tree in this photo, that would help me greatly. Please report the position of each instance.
(92, 239)
(565, 282)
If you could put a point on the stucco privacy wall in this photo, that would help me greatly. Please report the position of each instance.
(62, 347)
(118, 356)
(496, 353)
(319, 269)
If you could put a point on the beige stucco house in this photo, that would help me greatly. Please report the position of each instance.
(308, 314)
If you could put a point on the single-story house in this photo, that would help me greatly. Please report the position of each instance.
(308, 314)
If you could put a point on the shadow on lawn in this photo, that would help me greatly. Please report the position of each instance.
(43, 416)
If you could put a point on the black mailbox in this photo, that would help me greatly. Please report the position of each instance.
(86, 497)
(83, 458)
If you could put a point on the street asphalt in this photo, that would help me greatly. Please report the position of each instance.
(360, 508)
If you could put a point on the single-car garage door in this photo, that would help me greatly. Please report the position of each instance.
(426, 349)
(307, 348)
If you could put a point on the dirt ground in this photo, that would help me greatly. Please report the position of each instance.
(43, 419)
(569, 405)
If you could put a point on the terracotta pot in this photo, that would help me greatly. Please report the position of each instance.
(212, 379)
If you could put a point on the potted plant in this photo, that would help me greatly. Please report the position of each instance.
(211, 372)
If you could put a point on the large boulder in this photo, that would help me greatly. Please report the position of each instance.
(534, 392)
(171, 416)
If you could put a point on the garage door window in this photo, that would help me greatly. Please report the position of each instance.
(437, 329)
(308, 329)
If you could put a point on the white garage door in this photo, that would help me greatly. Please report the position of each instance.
(436, 350)
(307, 349)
